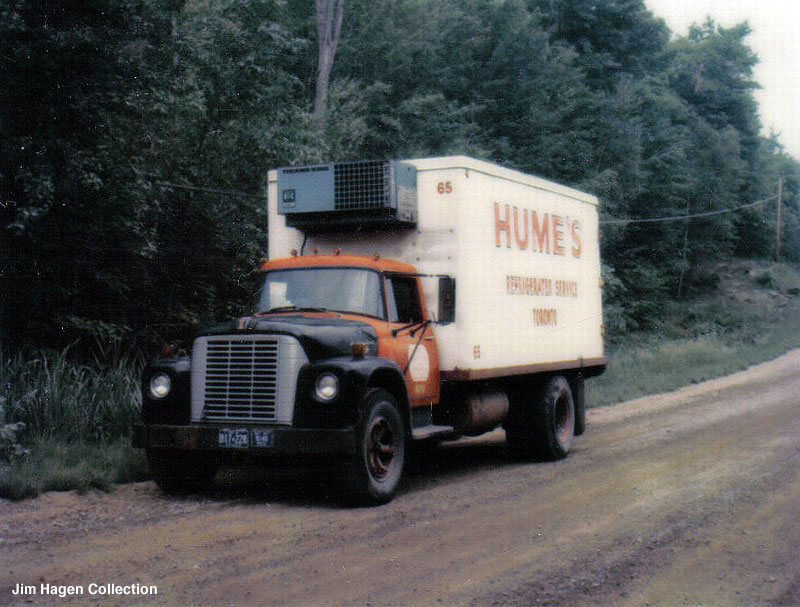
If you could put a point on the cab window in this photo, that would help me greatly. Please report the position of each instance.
(402, 298)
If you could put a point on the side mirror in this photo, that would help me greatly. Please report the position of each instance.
(447, 300)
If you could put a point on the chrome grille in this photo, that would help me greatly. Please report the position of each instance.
(241, 380)
(245, 378)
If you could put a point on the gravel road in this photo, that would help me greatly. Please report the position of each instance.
(687, 498)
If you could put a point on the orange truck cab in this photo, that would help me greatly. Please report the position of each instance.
(385, 295)
(488, 316)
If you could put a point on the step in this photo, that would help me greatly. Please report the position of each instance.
(431, 431)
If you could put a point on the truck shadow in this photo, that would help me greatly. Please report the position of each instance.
(436, 463)
(320, 483)
(313, 485)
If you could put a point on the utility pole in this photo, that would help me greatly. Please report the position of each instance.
(778, 221)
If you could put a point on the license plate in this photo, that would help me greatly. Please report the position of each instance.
(262, 438)
(242, 438)
(234, 438)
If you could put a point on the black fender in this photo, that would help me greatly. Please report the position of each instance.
(356, 377)
(175, 407)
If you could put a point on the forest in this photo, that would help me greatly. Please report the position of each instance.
(135, 137)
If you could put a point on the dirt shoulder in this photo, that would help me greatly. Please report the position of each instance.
(686, 498)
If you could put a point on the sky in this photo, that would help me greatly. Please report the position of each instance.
(776, 41)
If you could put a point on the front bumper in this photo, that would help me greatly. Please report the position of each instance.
(287, 440)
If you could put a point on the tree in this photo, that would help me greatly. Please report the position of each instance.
(712, 69)
(535, 101)
(611, 37)
(135, 136)
(62, 79)
(329, 27)
(113, 230)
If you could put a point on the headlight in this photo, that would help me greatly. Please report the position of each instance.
(327, 386)
(160, 385)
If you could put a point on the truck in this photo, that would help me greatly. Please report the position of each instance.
(403, 302)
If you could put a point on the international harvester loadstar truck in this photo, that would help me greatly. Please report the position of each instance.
(403, 301)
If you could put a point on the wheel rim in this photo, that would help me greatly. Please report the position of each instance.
(381, 448)
(564, 421)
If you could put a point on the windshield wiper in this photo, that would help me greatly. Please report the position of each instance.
(414, 326)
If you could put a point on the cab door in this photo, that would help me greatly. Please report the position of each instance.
(412, 340)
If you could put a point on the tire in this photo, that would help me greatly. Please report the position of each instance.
(544, 429)
(579, 398)
(375, 474)
(179, 472)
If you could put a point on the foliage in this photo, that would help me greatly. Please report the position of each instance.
(56, 466)
(613, 37)
(723, 331)
(135, 136)
(56, 397)
(100, 228)
(65, 424)
(10, 447)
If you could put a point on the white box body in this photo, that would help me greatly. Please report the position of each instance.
(524, 253)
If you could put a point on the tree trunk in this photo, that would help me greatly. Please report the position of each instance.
(329, 26)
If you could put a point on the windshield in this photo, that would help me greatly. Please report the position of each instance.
(334, 289)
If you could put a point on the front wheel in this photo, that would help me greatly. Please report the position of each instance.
(380, 450)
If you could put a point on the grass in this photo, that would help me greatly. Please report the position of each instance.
(65, 424)
(57, 466)
(709, 337)
(57, 397)
(661, 367)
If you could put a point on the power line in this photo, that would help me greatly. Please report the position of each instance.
(605, 222)
(192, 188)
(692, 216)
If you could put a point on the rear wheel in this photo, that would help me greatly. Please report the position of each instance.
(381, 448)
(543, 429)
(177, 472)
